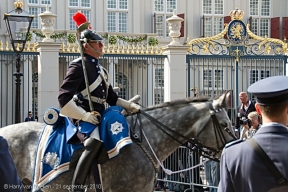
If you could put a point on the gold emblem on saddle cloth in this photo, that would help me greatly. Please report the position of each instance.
(116, 128)
(51, 159)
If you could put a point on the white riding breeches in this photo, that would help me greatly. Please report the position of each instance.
(95, 133)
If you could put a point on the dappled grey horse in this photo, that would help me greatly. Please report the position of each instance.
(135, 169)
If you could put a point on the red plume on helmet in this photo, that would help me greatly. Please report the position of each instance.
(81, 21)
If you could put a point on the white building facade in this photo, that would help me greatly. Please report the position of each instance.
(139, 16)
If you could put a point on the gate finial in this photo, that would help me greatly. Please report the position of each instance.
(236, 14)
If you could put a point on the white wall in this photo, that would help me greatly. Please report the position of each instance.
(141, 14)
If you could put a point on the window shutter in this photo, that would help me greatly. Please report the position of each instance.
(274, 29)
(227, 20)
(285, 27)
(203, 26)
(154, 23)
(182, 15)
(250, 23)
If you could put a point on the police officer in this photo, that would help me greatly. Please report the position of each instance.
(9, 180)
(74, 104)
(241, 169)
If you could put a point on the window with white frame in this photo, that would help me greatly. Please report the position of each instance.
(35, 7)
(117, 16)
(258, 74)
(163, 10)
(159, 85)
(213, 11)
(260, 14)
(213, 81)
(78, 5)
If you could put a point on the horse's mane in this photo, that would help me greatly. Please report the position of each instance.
(179, 102)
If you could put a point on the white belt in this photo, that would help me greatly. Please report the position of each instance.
(96, 99)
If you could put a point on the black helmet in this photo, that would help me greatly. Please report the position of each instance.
(88, 35)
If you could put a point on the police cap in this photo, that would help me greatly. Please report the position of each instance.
(90, 35)
(271, 90)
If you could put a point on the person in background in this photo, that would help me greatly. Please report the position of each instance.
(9, 179)
(248, 132)
(241, 168)
(212, 173)
(30, 117)
(243, 110)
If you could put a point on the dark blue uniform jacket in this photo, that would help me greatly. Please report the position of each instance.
(243, 171)
(74, 83)
(9, 180)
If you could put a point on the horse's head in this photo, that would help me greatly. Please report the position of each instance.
(218, 130)
(198, 120)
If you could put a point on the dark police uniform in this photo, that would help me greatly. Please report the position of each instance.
(9, 180)
(241, 169)
(74, 83)
(74, 103)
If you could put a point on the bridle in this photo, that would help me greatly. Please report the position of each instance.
(209, 152)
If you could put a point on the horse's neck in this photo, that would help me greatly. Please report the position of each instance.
(186, 121)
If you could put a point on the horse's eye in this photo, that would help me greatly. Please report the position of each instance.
(224, 124)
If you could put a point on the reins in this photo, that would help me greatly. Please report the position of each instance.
(205, 151)
(170, 132)
(162, 127)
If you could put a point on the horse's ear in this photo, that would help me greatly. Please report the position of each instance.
(227, 101)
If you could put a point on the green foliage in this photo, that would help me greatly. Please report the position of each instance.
(53, 36)
(29, 36)
(38, 34)
(57, 35)
(152, 41)
(112, 40)
(133, 40)
(105, 36)
(71, 38)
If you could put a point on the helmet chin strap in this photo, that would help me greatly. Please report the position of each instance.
(96, 51)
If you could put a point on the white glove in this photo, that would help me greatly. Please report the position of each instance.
(134, 108)
(73, 111)
(91, 117)
(128, 106)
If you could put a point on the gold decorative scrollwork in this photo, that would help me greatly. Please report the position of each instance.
(265, 40)
(209, 39)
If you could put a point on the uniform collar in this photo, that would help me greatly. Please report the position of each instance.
(91, 59)
(272, 128)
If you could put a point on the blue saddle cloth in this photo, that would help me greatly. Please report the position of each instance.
(114, 130)
(54, 153)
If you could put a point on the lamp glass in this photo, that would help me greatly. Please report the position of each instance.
(18, 24)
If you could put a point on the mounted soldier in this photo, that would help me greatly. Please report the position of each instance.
(82, 96)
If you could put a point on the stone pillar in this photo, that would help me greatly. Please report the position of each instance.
(175, 73)
(48, 76)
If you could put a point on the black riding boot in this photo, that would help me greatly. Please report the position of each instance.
(94, 150)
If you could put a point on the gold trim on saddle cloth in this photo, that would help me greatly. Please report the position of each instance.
(121, 143)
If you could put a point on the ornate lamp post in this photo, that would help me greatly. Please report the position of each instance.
(18, 24)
